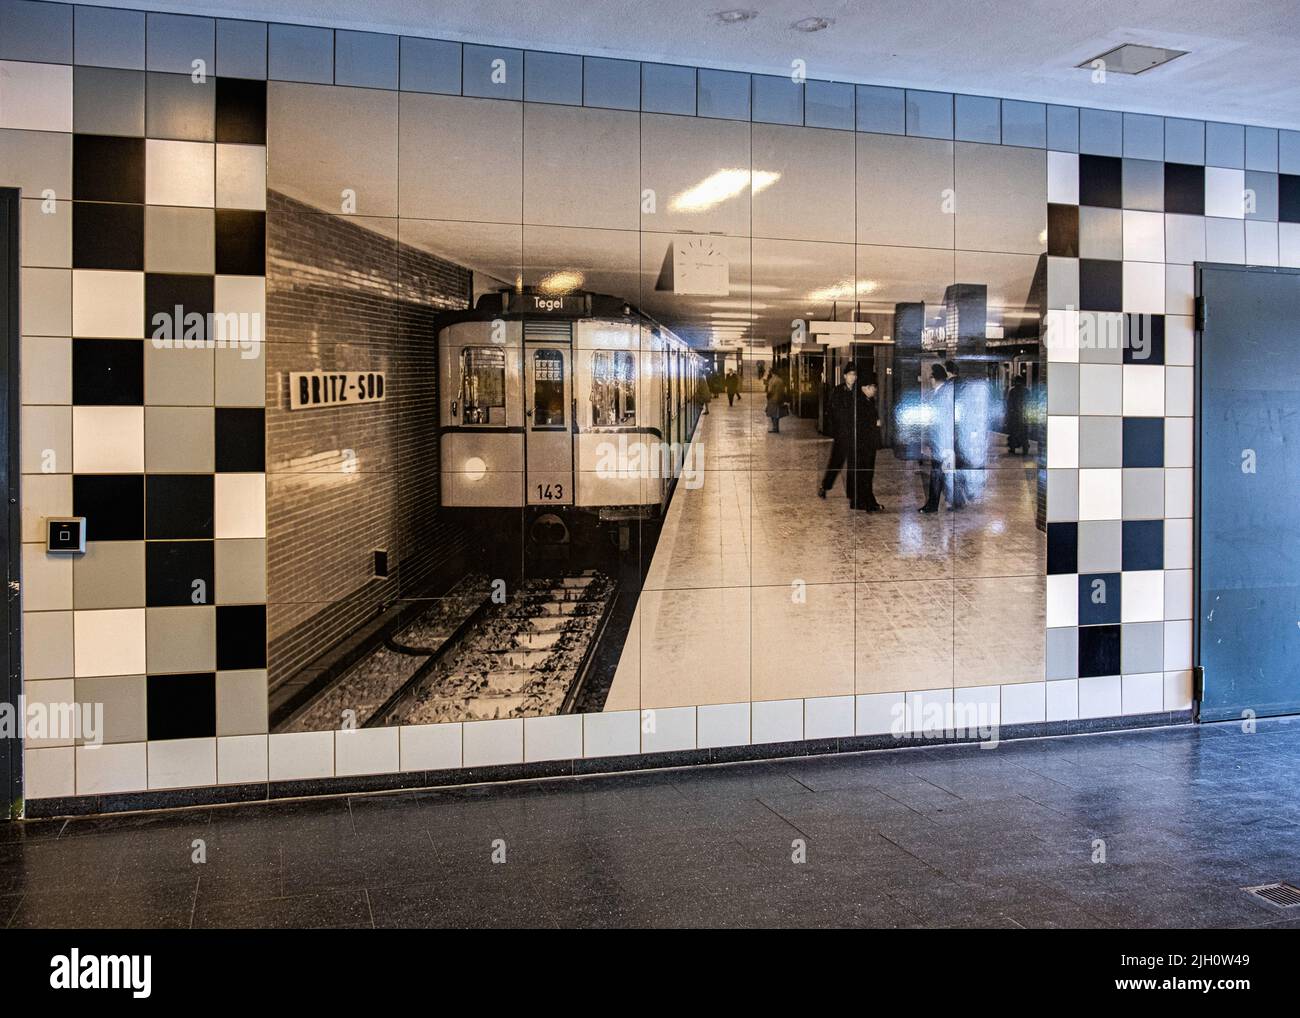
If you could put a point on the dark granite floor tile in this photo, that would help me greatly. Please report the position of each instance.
(339, 909)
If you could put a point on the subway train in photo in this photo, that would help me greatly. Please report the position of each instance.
(575, 409)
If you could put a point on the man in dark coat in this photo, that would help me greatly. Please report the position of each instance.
(867, 434)
(733, 388)
(1017, 433)
(855, 438)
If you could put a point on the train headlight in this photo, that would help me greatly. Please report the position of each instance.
(475, 468)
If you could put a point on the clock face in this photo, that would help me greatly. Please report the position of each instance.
(700, 267)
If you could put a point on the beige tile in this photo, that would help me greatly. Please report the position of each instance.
(44, 495)
(240, 505)
(109, 575)
(240, 572)
(109, 642)
(999, 625)
(36, 162)
(46, 376)
(240, 380)
(180, 173)
(107, 305)
(241, 702)
(46, 236)
(108, 439)
(904, 636)
(178, 440)
(47, 302)
(52, 712)
(241, 177)
(47, 580)
(802, 641)
(177, 377)
(122, 700)
(46, 439)
(35, 97)
(179, 239)
(181, 639)
(47, 645)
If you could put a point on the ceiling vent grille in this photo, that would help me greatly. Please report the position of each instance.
(1132, 58)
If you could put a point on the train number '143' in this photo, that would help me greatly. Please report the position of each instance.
(550, 492)
(311, 389)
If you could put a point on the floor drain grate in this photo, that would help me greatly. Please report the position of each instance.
(1283, 895)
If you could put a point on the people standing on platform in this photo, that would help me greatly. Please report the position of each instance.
(855, 438)
(941, 442)
(703, 393)
(775, 408)
(1017, 432)
(867, 434)
(733, 388)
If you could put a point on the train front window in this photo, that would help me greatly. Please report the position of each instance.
(548, 389)
(482, 383)
(613, 389)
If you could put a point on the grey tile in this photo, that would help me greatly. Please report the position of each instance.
(1288, 157)
(179, 239)
(881, 110)
(1063, 653)
(1101, 132)
(1184, 239)
(106, 37)
(553, 78)
(180, 639)
(492, 72)
(430, 65)
(366, 59)
(46, 234)
(109, 575)
(611, 84)
(1142, 648)
(1063, 128)
(1101, 546)
(178, 440)
(36, 31)
(929, 114)
(1225, 145)
(241, 701)
(1184, 141)
(300, 53)
(1062, 495)
(1062, 283)
(108, 100)
(978, 118)
(1024, 124)
(240, 380)
(723, 94)
(1261, 148)
(1101, 443)
(1144, 494)
(1262, 192)
(1101, 337)
(1225, 240)
(1144, 185)
(1063, 389)
(178, 108)
(123, 701)
(175, 41)
(776, 99)
(1101, 233)
(667, 88)
(828, 104)
(178, 377)
(1144, 136)
(240, 571)
(241, 49)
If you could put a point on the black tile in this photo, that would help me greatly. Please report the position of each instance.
(1144, 544)
(1101, 181)
(1144, 339)
(241, 243)
(1063, 231)
(1063, 548)
(241, 111)
(1101, 285)
(1184, 189)
(1099, 650)
(240, 440)
(107, 169)
(107, 236)
(178, 573)
(113, 505)
(1099, 600)
(241, 636)
(178, 506)
(165, 293)
(1288, 198)
(1144, 441)
(182, 706)
(108, 372)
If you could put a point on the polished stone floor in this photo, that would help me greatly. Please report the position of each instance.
(937, 836)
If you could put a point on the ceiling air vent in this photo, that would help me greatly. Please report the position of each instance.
(1282, 895)
(1133, 58)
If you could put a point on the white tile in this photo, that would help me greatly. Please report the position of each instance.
(53, 698)
(118, 767)
(881, 714)
(1180, 290)
(1178, 593)
(929, 710)
(1063, 178)
(1143, 596)
(35, 97)
(1178, 493)
(1062, 283)
(241, 295)
(107, 305)
(1178, 645)
(722, 724)
(47, 580)
(667, 729)
(1101, 494)
(1100, 697)
(240, 505)
(1180, 392)
(1179, 447)
(976, 709)
(616, 733)
(108, 439)
(1144, 288)
(1288, 244)
(1063, 700)
(1178, 690)
(1225, 191)
(1184, 239)
(241, 759)
(1062, 600)
(1062, 441)
(1178, 544)
(1144, 390)
(553, 738)
(1143, 694)
(49, 773)
(241, 177)
(1024, 703)
(365, 751)
(1063, 336)
(1225, 241)
(294, 756)
(182, 763)
(1144, 236)
(828, 717)
(179, 173)
(109, 642)
(1180, 340)
(777, 721)
(488, 743)
(1101, 390)
(1261, 243)
(430, 747)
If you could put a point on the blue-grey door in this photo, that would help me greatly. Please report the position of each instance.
(1248, 490)
(11, 531)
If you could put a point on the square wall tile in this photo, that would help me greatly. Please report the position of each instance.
(667, 729)
(180, 639)
(35, 97)
(367, 59)
(297, 755)
(616, 733)
(722, 724)
(429, 747)
(490, 743)
(106, 37)
(111, 768)
(108, 440)
(880, 713)
(241, 49)
(366, 751)
(108, 304)
(109, 642)
(1024, 703)
(242, 759)
(179, 108)
(180, 173)
(431, 65)
(777, 721)
(300, 53)
(182, 763)
(49, 773)
(1184, 141)
(241, 702)
(180, 43)
(1062, 654)
(1100, 495)
(828, 717)
(1100, 697)
(1144, 494)
(1063, 700)
(33, 30)
(1063, 128)
(553, 738)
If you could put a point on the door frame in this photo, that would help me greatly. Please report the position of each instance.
(1198, 420)
(11, 750)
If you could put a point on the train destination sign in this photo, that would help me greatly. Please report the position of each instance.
(547, 304)
(309, 390)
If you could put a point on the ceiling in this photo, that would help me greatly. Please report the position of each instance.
(1240, 65)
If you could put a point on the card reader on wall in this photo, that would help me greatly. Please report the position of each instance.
(66, 534)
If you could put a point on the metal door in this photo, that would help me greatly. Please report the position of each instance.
(548, 421)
